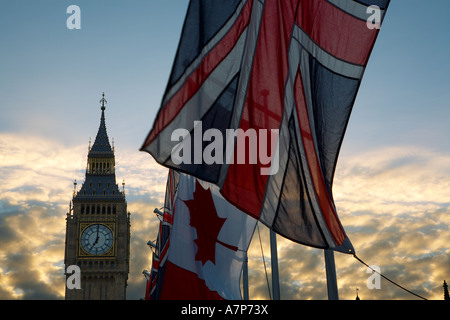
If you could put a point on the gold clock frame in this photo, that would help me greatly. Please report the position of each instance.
(110, 254)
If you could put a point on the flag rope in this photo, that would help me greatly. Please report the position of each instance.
(401, 287)
(264, 261)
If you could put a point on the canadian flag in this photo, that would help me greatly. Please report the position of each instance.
(208, 244)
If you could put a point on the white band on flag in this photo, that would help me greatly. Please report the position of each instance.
(354, 8)
(326, 59)
(206, 49)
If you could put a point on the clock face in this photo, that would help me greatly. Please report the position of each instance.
(97, 239)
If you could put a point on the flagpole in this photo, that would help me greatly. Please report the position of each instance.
(330, 267)
(245, 277)
(274, 261)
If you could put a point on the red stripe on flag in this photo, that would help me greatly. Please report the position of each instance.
(197, 78)
(168, 217)
(181, 284)
(244, 185)
(155, 265)
(154, 283)
(337, 32)
(323, 197)
(163, 253)
(147, 289)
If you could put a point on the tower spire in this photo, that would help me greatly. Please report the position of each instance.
(100, 168)
(101, 146)
(103, 101)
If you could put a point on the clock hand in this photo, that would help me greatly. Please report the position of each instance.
(96, 240)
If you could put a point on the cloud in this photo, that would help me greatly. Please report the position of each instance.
(34, 168)
(31, 252)
(394, 204)
(37, 176)
(144, 178)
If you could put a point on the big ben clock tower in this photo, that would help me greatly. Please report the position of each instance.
(98, 227)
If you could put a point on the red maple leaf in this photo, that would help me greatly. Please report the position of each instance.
(207, 223)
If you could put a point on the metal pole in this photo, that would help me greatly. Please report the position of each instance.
(331, 275)
(274, 261)
(245, 277)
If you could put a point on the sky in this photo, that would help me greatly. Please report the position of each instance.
(392, 182)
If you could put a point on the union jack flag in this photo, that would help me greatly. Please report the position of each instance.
(293, 67)
(160, 253)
